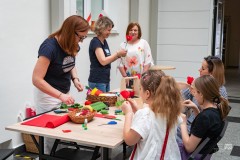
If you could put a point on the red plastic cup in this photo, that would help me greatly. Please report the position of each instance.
(28, 112)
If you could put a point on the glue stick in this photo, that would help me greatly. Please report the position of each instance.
(85, 123)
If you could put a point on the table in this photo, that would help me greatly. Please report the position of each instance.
(106, 136)
(159, 67)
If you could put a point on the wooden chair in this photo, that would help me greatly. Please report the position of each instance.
(212, 148)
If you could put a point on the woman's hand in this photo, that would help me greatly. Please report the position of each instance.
(126, 107)
(67, 99)
(122, 52)
(78, 85)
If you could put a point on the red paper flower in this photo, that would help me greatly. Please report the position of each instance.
(125, 94)
(128, 38)
(131, 93)
(190, 80)
(139, 75)
(100, 15)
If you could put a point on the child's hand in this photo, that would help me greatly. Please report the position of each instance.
(133, 104)
(188, 103)
(193, 106)
(126, 107)
(184, 118)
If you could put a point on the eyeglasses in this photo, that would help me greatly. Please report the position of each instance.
(81, 38)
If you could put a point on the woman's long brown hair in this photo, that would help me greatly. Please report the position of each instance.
(165, 94)
(66, 34)
(209, 87)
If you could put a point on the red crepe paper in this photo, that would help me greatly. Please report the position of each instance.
(125, 94)
(66, 130)
(98, 92)
(105, 116)
(128, 38)
(47, 120)
(72, 109)
(139, 75)
(100, 15)
(88, 102)
(190, 80)
(131, 93)
(84, 112)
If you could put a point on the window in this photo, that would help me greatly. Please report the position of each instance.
(80, 7)
(95, 7)
(85, 7)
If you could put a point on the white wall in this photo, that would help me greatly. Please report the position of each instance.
(23, 27)
(183, 35)
(144, 19)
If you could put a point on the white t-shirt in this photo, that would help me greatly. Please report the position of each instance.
(152, 131)
(138, 55)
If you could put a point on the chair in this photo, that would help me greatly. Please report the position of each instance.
(5, 153)
(212, 148)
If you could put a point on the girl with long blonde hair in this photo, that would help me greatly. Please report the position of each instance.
(152, 129)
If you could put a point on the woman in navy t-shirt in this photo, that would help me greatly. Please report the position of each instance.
(100, 55)
(55, 67)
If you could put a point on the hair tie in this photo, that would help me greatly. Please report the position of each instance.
(216, 100)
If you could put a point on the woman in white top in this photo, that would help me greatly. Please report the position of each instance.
(146, 128)
(139, 57)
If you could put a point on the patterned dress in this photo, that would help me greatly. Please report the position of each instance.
(137, 57)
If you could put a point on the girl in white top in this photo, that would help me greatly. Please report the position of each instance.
(139, 57)
(146, 127)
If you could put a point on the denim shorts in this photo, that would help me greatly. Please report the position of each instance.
(105, 87)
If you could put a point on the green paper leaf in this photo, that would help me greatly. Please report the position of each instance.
(119, 103)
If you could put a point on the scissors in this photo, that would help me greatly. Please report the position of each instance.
(109, 123)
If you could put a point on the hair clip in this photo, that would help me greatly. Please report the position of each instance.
(216, 100)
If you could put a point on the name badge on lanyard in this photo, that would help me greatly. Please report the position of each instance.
(107, 52)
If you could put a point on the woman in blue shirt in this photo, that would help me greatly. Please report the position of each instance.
(101, 56)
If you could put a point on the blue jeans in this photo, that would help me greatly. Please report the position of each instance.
(105, 87)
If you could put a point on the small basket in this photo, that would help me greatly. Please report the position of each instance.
(30, 145)
(80, 119)
(109, 100)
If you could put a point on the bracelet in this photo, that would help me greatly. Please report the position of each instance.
(60, 95)
(75, 78)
